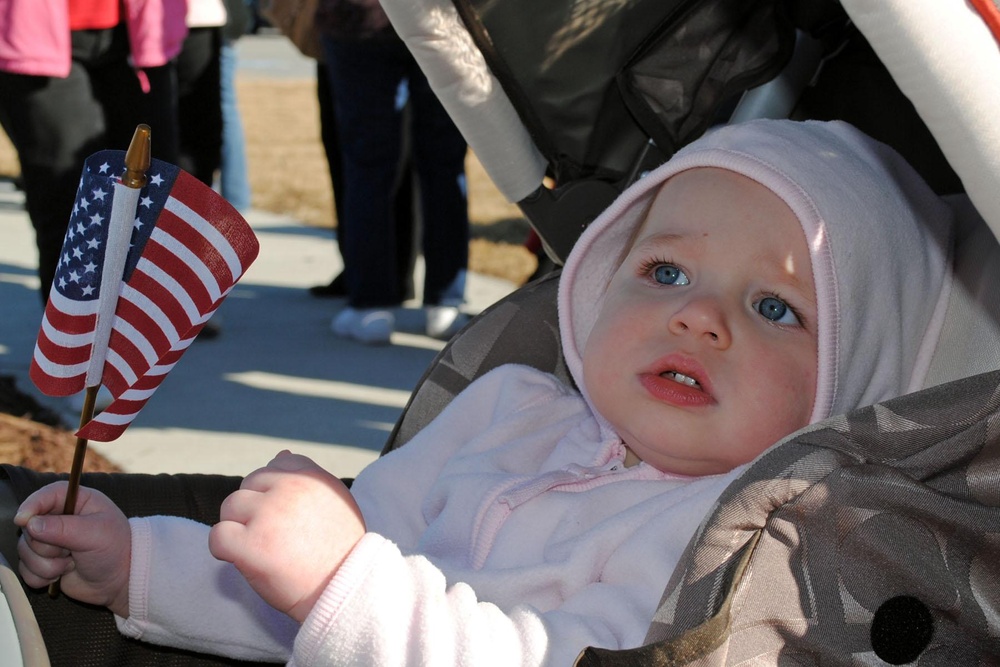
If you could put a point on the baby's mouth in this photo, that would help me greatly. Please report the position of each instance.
(681, 378)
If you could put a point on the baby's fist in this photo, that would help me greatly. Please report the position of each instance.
(287, 530)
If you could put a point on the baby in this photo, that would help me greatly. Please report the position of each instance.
(770, 275)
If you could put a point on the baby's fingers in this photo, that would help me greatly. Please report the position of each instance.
(66, 531)
(37, 569)
(226, 540)
(240, 505)
(41, 547)
(46, 500)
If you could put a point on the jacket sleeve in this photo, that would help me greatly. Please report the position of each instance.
(181, 596)
(386, 608)
(390, 606)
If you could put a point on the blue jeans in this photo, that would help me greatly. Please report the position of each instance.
(233, 180)
(366, 76)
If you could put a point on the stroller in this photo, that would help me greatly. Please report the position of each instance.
(871, 538)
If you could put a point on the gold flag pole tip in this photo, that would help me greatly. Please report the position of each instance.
(137, 158)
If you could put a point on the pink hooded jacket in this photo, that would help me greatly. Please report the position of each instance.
(35, 34)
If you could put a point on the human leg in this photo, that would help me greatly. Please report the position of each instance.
(331, 149)
(158, 109)
(233, 179)
(439, 155)
(127, 99)
(439, 151)
(199, 105)
(403, 194)
(365, 76)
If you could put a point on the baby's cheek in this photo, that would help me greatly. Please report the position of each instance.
(784, 387)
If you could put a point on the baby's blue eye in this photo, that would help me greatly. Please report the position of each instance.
(668, 274)
(776, 310)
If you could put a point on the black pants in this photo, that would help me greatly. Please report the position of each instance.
(199, 103)
(55, 124)
(366, 77)
(402, 196)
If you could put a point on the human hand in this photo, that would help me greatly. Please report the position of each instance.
(288, 529)
(91, 550)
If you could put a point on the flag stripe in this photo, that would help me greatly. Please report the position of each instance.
(71, 316)
(70, 357)
(192, 261)
(133, 337)
(116, 361)
(177, 293)
(147, 320)
(164, 302)
(116, 419)
(127, 358)
(114, 380)
(63, 339)
(59, 370)
(191, 236)
(213, 235)
(138, 394)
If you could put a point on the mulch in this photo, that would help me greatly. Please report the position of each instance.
(34, 436)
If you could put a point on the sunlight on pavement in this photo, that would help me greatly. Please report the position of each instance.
(176, 450)
(416, 340)
(30, 282)
(341, 391)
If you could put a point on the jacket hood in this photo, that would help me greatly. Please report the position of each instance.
(879, 240)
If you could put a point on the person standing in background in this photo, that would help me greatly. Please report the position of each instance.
(234, 182)
(369, 69)
(199, 90)
(77, 77)
(199, 105)
(296, 20)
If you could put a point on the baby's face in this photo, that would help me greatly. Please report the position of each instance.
(704, 353)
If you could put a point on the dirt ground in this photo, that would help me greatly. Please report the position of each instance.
(33, 436)
(288, 175)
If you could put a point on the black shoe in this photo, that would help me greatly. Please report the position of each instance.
(335, 289)
(211, 330)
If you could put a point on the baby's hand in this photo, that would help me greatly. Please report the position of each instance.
(287, 530)
(91, 550)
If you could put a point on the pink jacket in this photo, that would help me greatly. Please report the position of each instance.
(507, 532)
(35, 35)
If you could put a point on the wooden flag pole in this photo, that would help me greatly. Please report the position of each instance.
(136, 163)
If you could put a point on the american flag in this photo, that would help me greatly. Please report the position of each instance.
(188, 248)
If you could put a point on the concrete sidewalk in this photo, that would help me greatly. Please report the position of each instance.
(275, 378)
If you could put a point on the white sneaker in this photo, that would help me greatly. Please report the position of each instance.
(371, 326)
(443, 322)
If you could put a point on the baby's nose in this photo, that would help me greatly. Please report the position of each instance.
(703, 318)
